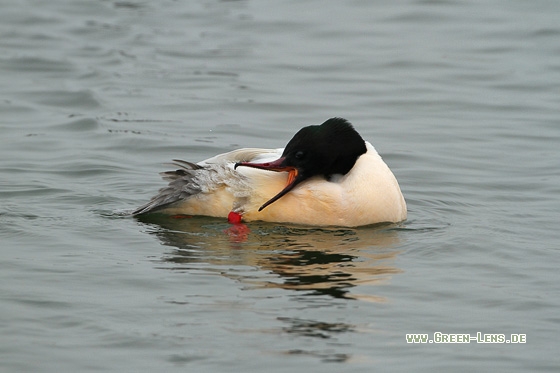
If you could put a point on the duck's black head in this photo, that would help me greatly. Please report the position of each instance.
(327, 149)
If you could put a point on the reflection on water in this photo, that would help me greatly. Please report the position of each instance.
(332, 263)
(326, 261)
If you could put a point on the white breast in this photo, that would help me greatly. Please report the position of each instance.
(368, 194)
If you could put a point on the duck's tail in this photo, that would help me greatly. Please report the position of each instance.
(180, 187)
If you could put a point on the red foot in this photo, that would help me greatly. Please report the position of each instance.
(234, 218)
(238, 232)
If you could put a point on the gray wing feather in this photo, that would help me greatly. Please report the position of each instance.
(181, 186)
(191, 178)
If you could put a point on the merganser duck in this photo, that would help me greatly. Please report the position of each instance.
(327, 175)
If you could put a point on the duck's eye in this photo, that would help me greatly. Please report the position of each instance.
(299, 155)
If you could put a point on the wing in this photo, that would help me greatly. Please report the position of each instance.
(181, 186)
(204, 177)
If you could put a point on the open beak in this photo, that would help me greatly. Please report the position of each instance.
(294, 177)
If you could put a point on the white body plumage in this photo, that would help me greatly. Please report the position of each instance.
(369, 193)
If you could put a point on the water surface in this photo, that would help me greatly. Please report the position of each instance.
(460, 98)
